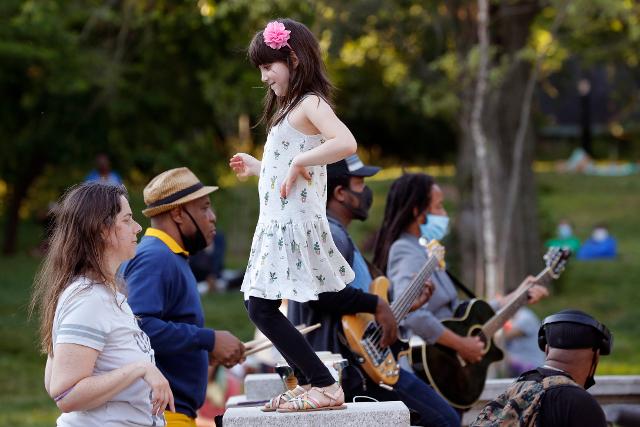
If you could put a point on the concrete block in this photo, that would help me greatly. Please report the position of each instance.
(616, 385)
(235, 400)
(263, 386)
(388, 414)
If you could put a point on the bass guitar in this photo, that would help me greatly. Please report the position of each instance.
(363, 333)
(461, 383)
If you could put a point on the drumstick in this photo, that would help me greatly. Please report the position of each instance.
(249, 344)
(267, 343)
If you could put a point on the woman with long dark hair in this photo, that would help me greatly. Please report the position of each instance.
(399, 254)
(415, 209)
(100, 367)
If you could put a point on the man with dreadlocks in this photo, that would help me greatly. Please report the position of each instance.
(349, 198)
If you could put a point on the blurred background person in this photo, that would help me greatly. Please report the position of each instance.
(601, 245)
(103, 172)
(564, 237)
(521, 342)
(207, 265)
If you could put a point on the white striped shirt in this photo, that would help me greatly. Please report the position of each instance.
(88, 315)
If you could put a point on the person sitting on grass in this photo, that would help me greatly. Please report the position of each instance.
(564, 237)
(601, 245)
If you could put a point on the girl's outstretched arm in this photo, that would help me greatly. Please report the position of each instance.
(245, 165)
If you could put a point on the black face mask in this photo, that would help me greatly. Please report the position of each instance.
(196, 242)
(365, 199)
(590, 382)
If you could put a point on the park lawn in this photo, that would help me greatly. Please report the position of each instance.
(605, 289)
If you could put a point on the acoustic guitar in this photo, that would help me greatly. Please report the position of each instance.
(461, 383)
(364, 334)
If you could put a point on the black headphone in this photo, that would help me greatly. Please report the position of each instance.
(604, 344)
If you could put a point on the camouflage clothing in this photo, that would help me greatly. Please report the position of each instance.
(520, 404)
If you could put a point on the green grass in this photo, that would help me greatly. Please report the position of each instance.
(605, 289)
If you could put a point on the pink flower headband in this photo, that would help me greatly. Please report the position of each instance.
(275, 35)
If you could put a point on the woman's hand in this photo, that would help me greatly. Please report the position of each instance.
(425, 295)
(160, 389)
(470, 349)
(536, 292)
(245, 165)
(292, 176)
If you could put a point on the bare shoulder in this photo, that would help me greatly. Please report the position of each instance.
(312, 103)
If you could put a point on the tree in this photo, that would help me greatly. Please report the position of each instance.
(429, 54)
(156, 84)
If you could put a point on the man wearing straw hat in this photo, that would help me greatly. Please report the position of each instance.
(163, 292)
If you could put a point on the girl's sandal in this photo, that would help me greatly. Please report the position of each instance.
(306, 403)
(283, 398)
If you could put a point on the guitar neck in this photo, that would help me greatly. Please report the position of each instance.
(401, 306)
(513, 305)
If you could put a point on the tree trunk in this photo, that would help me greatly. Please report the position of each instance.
(482, 169)
(500, 120)
(17, 192)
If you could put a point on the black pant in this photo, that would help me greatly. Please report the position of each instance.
(295, 349)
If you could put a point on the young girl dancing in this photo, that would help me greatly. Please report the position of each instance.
(292, 254)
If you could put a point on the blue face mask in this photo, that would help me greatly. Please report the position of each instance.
(564, 231)
(436, 227)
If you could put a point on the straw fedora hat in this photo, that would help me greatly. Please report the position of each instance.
(172, 188)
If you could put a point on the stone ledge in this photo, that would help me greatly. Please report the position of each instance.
(392, 414)
(263, 386)
(609, 389)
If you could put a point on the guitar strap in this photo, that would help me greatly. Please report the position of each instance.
(373, 270)
(461, 286)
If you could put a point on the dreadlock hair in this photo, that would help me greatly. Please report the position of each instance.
(309, 76)
(408, 194)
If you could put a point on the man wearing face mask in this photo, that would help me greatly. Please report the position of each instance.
(555, 393)
(163, 294)
(348, 199)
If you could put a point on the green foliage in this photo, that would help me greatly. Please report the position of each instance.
(163, 83)
(599, 33)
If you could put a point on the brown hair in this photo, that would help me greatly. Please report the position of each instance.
(309, 76)
(76, 248)
(410, 191)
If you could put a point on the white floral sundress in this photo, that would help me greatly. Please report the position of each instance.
(292, 254)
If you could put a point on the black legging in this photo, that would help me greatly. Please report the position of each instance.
(295, 349)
